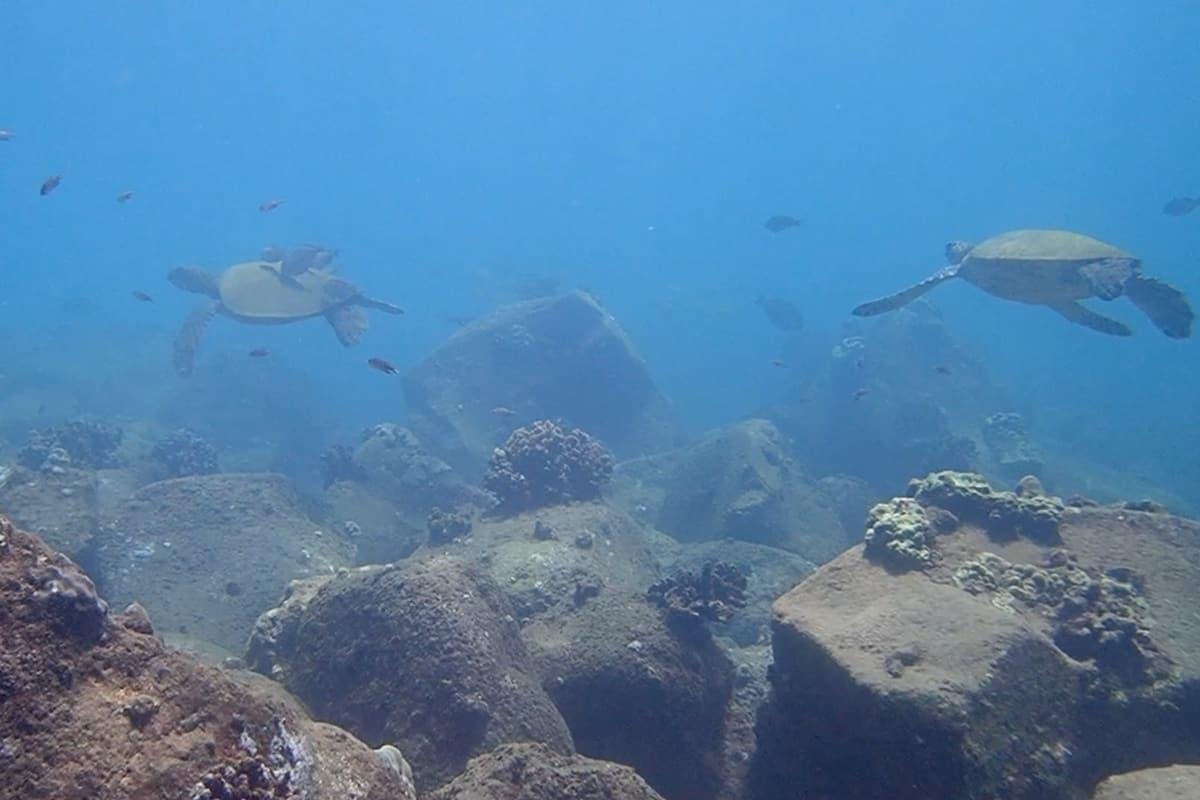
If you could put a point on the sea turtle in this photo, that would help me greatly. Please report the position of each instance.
(254, 292)
(1055, 269)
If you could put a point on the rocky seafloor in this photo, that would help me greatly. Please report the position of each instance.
(499, 606)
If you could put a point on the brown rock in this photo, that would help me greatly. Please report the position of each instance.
(123, 716)
(910, 685)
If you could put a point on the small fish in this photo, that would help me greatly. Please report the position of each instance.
(941, 369)
(260, 352)
(5, 135)
(781, 222)
(141, 296)
(502, 411)
(270, 205)
(778, 362)
(859, 363)
(859, 394)
(125, 196)
(1179, 206)
(50, 184)
(383, 366)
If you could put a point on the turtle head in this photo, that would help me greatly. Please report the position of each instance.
(957, 250)
(195, 279)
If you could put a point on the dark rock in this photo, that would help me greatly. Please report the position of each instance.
(425, 655)
(137, 619)
(446, 526)
(1008, 440)
(544, 464)
(769, 572)
(177, 545)
(86, 444)
(543, 532)
(183, 453)
(555, 357)
(852, 498)
(1012, 668)
(389, 486)
(69, 598)
(535, 772)
(741, 484)
(63, 738)
(337, 464)
(711, 594)
(634, 692)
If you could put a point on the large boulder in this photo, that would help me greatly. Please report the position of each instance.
(631, 690)
(1018, 657)
(636, 692)
(425, 654)
(207, 554)
(553, 357)
(93, 705)
(740, 483)
(535, 772)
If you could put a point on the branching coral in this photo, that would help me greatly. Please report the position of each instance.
(691, 598)
(82, 443)
(544, 464)
(184, 453)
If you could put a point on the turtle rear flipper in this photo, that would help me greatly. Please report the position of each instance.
(187, 341)
(348, 322)
(1108, 276)
(903, 298)
(1082, 315)
(1166, 306)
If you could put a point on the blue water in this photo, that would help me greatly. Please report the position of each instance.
(633, 148)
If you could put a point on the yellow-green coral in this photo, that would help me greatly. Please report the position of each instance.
(900, 533)
(1002, 514)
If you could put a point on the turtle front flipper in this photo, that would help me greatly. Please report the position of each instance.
(379, 305)
(195, 279)
(348, 322)
(1082, 315)
(187, 341)
(1167, 307)
(903, 298)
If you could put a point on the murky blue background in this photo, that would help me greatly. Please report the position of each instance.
(452, 150)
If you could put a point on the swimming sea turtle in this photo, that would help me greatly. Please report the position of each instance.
(1055, 269)
(254, 292)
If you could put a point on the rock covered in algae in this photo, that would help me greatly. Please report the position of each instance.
(1002, 514)
(1103, 619)
(900, 533)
